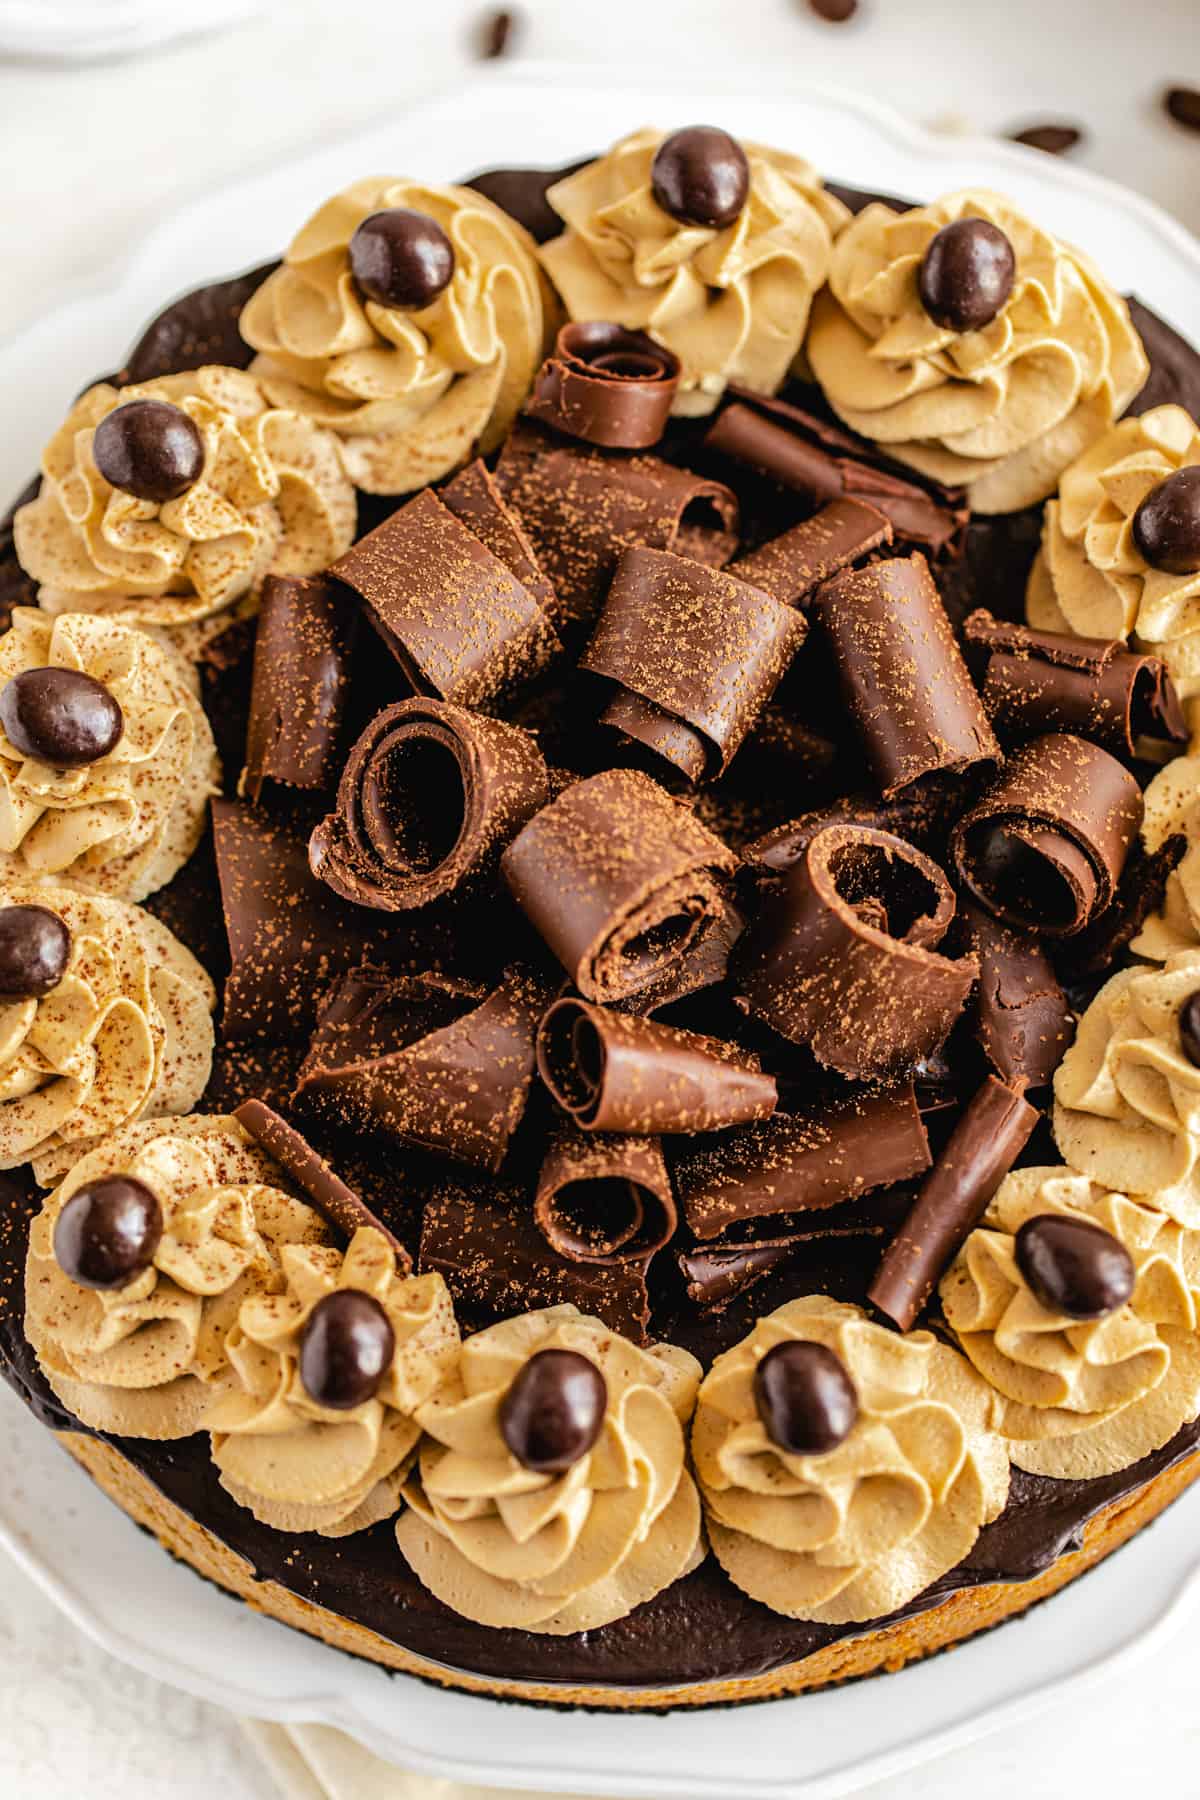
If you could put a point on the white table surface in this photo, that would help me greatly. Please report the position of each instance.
(95, 153)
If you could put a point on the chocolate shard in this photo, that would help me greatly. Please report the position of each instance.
(427, 1060)
(336, 1202)
(1035, 682)
(603, 1198)
(615, 1072)
(463, 623)
(302, 650)
(695, 648)
(1141, 891)
(620, 881)
(429, 797)
(984, 1145)
(918, 816)
(841, 955)
(902, 674)
(1045, 846)
(496, 1263)
(582, 506)
(604, 384)
(1021, 1017)
(791, 565)
(802, 1162)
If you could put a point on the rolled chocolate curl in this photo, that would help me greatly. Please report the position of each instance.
(331, 1197)
(615, 1072)
(695, 654)
(802, 1162)
(1021, 1017)
(619, 880)
(902, 674)
(702, 966)
(604, 1199)
(604, 384)
(302, 650)
(1035, 682)
(429, 797)
(462, 624)
(791, 565)
(1045, 846)
(582, 506)
(427, 1060)
(918, 817)
(715, 1274)
(982, 1148)
(840, 958)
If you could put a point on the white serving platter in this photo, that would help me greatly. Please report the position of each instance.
(114, 1582)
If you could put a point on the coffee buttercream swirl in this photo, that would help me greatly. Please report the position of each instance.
(1001, 410)
(298, 1465)
(147, 1359)
(411, 394)
(506, 1546)
(859, 1530)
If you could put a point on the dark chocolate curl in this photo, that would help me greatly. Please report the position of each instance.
(791, 565)
(1021, 1016)
(615, 1072)
(305, 638)
(715, 1274)
(426, 1060)
(335, 1202)
(841, 959)
(461, 622)
(917, 817)
(620, 881)
(984, 1145)
(1045, 681)
(802, 1162)
(703, 966)
(694, 646)
(496, 1263)
(429, 797)
(903, 677)
(582, 506)
(604, 1199)
(606, 385)
(1046, 845)
(1142, 890)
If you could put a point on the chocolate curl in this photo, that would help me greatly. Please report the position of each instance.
(426, 1060)
(496, 1263)
(791, 565)
(703, 966)
(615, 1072)
(1046, 845)
(428, 799)
(803, 1162)
(302, 651)
(696, 652)
(335, 1202)
(715, 1274)
(460, 622)
(604, 1199)
(1048, 681)
(902, 674)
(582, 506)
(1141, 892)
(917, 817)
(982, 1148)
(620, 881)
(841, 957)
(607, 385)
(1022, 1019)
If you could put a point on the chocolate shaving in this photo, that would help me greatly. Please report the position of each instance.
(620, 881)
(1045, 846)
(606, 385)
(791, 565)
(982, 1148)
(302, 651)
(917, 816)
(841, 956)
(696, 653)
(715, 1274)
(615, 1072)
(1043, 681)
(1021, 1016)
(429, 797)
(604, 1199)
(802, 1162)
(1142, 891)
(902, 674)
(335, 1202)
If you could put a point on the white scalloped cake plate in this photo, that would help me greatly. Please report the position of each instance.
(113, 1580)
